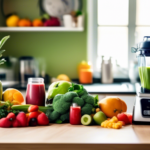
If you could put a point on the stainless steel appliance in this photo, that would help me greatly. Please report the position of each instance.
(28, 68)
(141, 111)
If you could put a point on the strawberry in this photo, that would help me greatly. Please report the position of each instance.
(21, 117)
(16, 123)
(33, 108)
(5, 123)
(11, 116)
(42, 119)
(130, 118)
(123, 117)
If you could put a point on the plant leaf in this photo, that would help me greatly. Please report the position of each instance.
(2, 51)
(2, 42)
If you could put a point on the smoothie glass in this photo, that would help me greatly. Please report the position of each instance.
(35, 93)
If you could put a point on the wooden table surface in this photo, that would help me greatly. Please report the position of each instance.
(66, 136)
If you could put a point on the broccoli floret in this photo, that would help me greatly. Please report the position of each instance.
(79, 101)
(57, 98)
(62, 102)
(68, 97)
(65, 117)
(83, 92)
(54, 116)
(87, 109)
(48, 113)
(88, 99)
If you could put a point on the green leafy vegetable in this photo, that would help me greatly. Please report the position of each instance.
(5, 109)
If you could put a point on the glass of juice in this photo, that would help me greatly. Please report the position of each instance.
(35, 93)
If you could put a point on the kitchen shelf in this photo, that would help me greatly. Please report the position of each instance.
(40, 29)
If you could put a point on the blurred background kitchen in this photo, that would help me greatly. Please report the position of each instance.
(89, 41)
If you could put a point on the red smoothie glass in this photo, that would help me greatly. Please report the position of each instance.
(35, 93)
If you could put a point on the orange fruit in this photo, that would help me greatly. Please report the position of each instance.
(37, 23)
(24, 23)
(63, 77)
(13, 96)
(112, 106)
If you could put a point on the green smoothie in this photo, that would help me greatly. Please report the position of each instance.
(144, 73)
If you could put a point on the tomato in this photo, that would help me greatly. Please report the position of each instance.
(33, 108)
(130, 118)
(123, 117)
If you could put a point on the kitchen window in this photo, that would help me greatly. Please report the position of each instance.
(114, 26)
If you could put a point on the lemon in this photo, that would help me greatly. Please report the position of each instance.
(63, 77)
(12, 21)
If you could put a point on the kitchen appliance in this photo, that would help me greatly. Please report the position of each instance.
(141, 110)
(28, 69)
(8, 71)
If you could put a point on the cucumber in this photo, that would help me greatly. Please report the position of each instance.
(24, 108)
(86, 120)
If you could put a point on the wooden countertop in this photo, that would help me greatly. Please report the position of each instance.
(66, 136)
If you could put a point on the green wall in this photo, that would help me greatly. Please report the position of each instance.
(61, 51)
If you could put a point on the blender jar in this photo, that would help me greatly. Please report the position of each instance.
(143, 55)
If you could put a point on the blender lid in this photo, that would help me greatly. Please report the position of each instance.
(143, 48)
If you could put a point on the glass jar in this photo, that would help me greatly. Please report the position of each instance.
(35, 93)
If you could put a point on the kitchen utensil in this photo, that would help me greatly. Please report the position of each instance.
(58, 8)
(28, 68)
(106, 71)
(141, 111)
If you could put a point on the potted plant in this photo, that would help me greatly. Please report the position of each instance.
(2, 61)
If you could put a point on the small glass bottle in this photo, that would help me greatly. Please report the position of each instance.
(75, 114)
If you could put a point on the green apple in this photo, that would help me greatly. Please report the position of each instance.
(99, 117)
(59, 87)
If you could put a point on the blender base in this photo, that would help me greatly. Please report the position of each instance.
(141, 110)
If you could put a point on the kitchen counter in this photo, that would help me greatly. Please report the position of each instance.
(69, 137)
(95, 88)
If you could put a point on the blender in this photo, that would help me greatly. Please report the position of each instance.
(141, 110)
